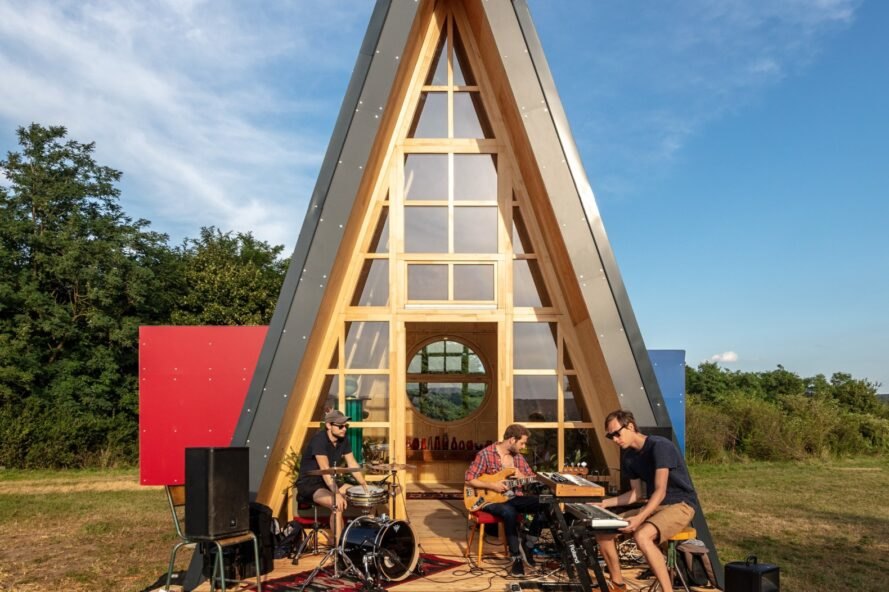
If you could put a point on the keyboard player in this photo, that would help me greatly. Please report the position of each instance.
(671, 502)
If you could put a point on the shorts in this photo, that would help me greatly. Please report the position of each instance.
(669, 520)
(306, 495)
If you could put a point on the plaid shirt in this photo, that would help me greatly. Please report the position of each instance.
(487, 462)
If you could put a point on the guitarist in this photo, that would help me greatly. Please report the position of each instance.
(493, 459)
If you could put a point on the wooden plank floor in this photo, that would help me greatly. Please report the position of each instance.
(440, 527)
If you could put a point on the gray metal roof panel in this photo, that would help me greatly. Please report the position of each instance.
(322, 230)
(576, 212)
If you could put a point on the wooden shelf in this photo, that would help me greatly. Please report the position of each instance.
(440, 455)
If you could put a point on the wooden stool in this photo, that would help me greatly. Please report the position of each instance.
(480, 519)
(673, 555)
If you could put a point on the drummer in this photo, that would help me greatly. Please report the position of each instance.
(324, 450)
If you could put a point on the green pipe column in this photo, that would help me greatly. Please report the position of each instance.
(355, 410)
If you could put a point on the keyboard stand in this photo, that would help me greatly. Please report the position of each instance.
(580, 552)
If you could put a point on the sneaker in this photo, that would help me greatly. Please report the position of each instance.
(527, 552)
(517, 569)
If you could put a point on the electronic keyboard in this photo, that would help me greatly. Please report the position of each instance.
(596, 517)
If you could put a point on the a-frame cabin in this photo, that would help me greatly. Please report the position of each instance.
(452, 275)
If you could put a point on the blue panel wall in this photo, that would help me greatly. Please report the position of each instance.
(669, 368)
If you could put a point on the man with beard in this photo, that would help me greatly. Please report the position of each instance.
(328, 448)
(493, 459)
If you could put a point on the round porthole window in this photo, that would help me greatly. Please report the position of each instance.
(446, 380)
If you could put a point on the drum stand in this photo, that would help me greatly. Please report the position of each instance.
(392, 487)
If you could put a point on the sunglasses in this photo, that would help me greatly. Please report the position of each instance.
(615, 433)
(342, 426)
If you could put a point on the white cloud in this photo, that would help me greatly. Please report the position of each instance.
(202, 105)
(725, 357)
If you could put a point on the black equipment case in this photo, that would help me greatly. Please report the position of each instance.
(751, 576)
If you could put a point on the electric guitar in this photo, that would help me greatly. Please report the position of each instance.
(476, 499)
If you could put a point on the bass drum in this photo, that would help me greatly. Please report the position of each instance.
(389, 544)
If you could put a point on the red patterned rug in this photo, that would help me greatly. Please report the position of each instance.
(431, 564)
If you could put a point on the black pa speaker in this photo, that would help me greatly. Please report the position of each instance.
(217, 492)
(752, 576)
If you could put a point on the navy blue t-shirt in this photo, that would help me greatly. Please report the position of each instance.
(320, 445)
(660, 453)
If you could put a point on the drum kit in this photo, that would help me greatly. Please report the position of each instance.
(372, 548)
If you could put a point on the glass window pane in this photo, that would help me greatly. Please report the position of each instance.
(335, 359)
(474, 282)
(575, 410)
(543, 449)
(534, 398)
(416, 364)
(470, 120)
(453, 362)
(475, 177)
(462, 73)
(528, 288)
(534, 346)
(367, 397)
(370, 445)
(425, 229)
(427, 282)
(329, 397)
(582, 446)
(379, 242)
(435, 363)
(521, 242)
(426, 176)
(446, 401)
(373, 284)
(367, 345)
(475, 229)
(431, 120)
(566, 359)
(438, 72)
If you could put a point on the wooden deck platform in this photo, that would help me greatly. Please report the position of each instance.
(440, 527)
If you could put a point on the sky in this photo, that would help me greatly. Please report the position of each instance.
(738, 149)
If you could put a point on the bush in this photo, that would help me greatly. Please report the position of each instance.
(710, 433)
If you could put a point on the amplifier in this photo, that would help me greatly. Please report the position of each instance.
(751, 576)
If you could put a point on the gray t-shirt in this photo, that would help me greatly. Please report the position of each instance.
(660, 453)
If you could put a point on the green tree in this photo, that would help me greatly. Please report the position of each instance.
(77, 278)
(856, 395)
(230, 279)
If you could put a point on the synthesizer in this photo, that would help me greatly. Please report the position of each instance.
(567, 485)
(596, 517)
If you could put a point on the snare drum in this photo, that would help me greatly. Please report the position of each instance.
(371, 498)
(385, 546)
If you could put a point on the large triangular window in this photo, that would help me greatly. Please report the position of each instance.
(450, 104)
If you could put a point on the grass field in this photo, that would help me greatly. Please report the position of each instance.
(825, 524)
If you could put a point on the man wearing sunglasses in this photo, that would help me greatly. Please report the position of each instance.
(328, 448)
(671, 502)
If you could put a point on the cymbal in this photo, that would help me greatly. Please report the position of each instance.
(390, 467)
(334, 471)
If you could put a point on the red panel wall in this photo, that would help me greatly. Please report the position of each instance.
(192, 385)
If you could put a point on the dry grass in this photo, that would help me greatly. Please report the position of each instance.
(826, 524)
(81, 530)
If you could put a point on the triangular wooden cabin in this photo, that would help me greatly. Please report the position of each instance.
(452, 275)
